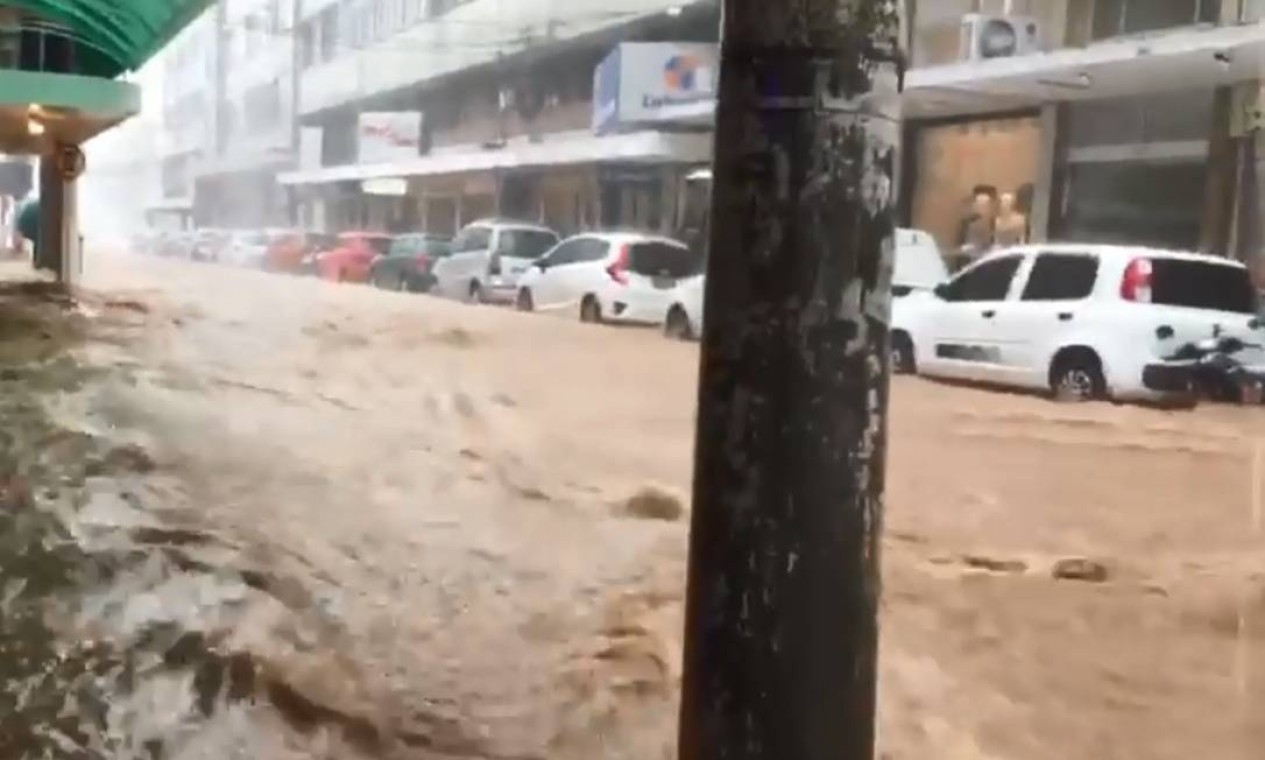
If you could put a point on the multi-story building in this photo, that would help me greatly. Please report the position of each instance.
(434, 112)
(189, 111)
(123, 190)
(1103, 120)
(253, 87)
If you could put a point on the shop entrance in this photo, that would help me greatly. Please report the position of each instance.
(1154, 203)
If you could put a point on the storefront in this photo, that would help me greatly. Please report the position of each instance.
(1136, 170)
(973, 181)
(1124, 141)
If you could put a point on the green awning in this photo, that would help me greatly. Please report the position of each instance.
(116, 36)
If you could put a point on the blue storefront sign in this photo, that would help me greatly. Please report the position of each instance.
(639, 81)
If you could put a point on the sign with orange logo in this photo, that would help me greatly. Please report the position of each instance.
(639, 79)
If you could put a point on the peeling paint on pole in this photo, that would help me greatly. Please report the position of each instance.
(781, 629)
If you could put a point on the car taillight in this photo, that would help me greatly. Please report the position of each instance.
(1135, 285)
(619, 270)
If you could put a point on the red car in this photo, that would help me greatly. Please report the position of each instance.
(352, 256)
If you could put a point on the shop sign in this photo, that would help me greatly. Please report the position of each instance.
(392, 186)
(640, 79)
(386, 136)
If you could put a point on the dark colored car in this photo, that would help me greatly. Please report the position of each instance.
(408, 263)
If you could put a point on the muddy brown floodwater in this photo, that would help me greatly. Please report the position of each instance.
(258, 516)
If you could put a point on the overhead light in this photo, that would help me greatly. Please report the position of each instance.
(674, 11)
(34, 127)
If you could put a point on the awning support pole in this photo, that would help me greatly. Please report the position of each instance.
(783, 593)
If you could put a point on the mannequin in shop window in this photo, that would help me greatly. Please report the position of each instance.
(976, 233)
(1011, 227)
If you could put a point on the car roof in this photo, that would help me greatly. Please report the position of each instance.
(493, 221)
(362, 234)
(1114, 252)
(628, 236)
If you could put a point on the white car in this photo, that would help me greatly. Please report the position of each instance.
(488, 257)
(245, 249)
(624, 277)
(1081, 321)
(919, 266)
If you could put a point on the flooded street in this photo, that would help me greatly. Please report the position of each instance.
(257, 516)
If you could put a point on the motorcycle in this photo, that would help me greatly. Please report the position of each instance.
(1220, 370)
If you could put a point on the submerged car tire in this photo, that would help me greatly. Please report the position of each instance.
(524, 301)
(590, 310)
(1076, 376)
(677, 324)
(474, 294)
(903, 361)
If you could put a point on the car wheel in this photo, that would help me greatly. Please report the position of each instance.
(475, 294)
(525, 302)
(677, 324)
(590, 310)
(403, 285)
(903, 362)
(1076, 376)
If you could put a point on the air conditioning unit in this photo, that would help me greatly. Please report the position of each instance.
(987, 36)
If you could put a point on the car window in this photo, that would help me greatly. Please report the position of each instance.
(1061, 277)
(525, 244)
(1202, 285)
(593, 249)
(436, 247)
(566, 253)
(379, 245)
(403, 246)
(472, 239)
(663, 259)
(989, 281)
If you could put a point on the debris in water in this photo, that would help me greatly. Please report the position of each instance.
(653, 503)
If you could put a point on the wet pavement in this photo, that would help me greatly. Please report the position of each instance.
(258, 516)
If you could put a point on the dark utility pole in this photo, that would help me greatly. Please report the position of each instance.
(781, 620)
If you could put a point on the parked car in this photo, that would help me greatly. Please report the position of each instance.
(208, 244)
(487, 258)
(286, 249)
(245, 248)
(1081, 321)
(407, 265)
(352, 256)
(918, 266)
(609, 276)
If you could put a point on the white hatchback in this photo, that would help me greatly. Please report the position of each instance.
(625, 277)
(1082, 321)
(919, 267)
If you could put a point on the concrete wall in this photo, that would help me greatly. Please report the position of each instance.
(471, 34)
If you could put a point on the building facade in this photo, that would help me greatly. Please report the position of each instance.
(188, 116)
(1090, 120)
(254, 137)
(431, 114)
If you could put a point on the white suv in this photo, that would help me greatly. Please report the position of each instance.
(626, 277)
(487, 258)
(1083, 321)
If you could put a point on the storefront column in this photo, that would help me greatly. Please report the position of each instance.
(1044, 191)
(1218, 204)
(49, 252)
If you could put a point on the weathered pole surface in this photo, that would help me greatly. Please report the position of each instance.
(781, 619)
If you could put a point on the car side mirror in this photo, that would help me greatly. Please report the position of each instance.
(941, 291)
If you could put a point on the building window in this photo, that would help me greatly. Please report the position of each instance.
(1113, 18)
(328, 20)
(263, 106)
